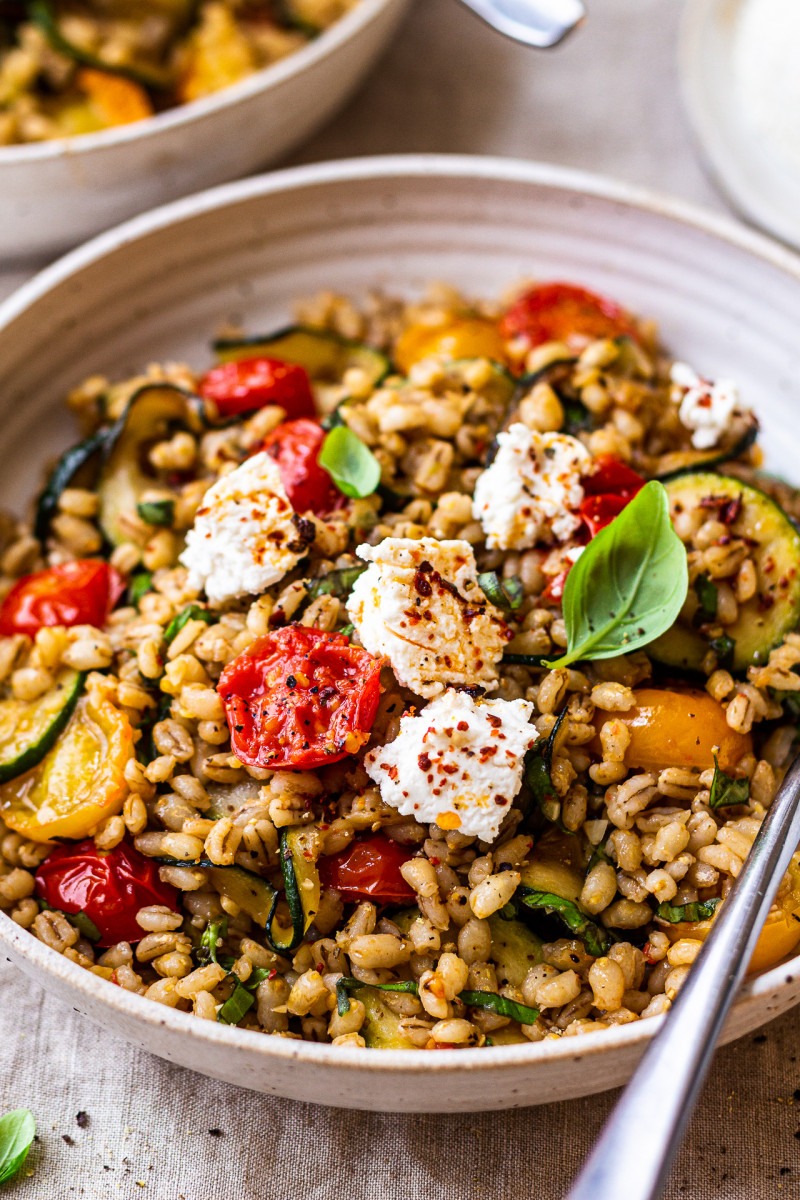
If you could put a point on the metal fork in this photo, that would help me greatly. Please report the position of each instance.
(539, 23)
(637, 1146)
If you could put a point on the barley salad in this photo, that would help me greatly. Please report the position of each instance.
(70, 67)
(416, 676)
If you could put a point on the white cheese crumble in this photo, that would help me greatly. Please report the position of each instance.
(419, 603)
(459, 763)
(531, 490)
(705, 407)
(245, 535)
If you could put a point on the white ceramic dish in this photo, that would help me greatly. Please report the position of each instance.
(161, 285)
(56, 194)
(752, 175)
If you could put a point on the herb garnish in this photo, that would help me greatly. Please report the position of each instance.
(538, 767)
(351, 465)
(629, 584)
(17, 1129)
(726, 790)
(696, 910)
(192, 612)
(507, 594)
(490, 1001)
(567, 911)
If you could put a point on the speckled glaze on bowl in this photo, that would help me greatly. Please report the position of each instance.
(727, 300)
(56, 194)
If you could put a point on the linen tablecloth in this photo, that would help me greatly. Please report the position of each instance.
(605, 101)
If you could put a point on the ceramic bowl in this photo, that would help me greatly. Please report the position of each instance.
(160, 286)
(56, 194)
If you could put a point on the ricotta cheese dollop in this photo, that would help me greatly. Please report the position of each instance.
(705, 407)
(246, 535)
(458, 763)
(420, 605)
(530, 492)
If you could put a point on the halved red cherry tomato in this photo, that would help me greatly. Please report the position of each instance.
(295, 446)
(108, 886)
(81, 592)
(562, 312)
(300, 697)
(240, 387)
(369, 869)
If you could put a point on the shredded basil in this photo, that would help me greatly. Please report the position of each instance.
(236, 1006)
(724, 647)
(347, 630)
(346, 985)
(593, 936)
(192, 612)
(491, 1001)
(696, 910)
(629, 584)
(577, 418)
(79, 920)
(214, 933)
(727, 791)
(708, 596)
(351, 465)
(156, 512)
(140, 584)
(524, 660)
(507, 594)
(17, 1130)
(538, 766)
(336, 583)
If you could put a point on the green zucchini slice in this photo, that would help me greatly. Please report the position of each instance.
(381, 1028)
(29, 729)
(774, 547)
(324, 355)
(78, 466)
(515, 949)
(151, 413)
(739, 438)
(300, 876)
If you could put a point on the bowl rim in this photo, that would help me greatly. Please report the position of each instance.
(375, 168)
(346, 28)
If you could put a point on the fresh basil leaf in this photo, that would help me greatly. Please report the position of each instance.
(577, 418)
(629, 584)
(725, 790)
(336, 583)
(524, 660)
(347, 630)
(139, 585)
(17, 1129)
(214, 933)
(192, 612)
(347, 985)
(502, 1006)
(507, 594)
(697, 910)
(236, 1006)
(538, 767)
(593, 936)
(351, 465)
(708, 596)
(85, 926)
(156, 512)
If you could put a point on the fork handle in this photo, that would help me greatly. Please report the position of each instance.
(540, 23)
(637, 1146)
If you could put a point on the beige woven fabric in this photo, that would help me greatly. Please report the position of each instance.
(150, 1122)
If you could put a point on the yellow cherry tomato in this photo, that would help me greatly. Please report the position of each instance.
(678, 729)
(81, 781)
(459, 337)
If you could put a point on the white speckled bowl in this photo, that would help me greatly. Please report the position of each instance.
(727, 300)
(58, 193)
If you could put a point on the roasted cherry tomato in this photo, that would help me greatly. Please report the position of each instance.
(81, 781)
(240, 387)
(561, 312)
(460, 337)
(607, 490)
(369, 869)
(300, 697)
(108, 886)
(81, 592)
(295, 446)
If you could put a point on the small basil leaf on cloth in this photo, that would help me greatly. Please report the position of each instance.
(16, 1134)
(629, 584)
(351, 465)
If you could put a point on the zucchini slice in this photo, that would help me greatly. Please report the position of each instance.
(29, 729)
(301, 877)
(739, 438)
(775, 549)
(77, 466)
(150, 414)
(515, 949)
(381, 1028)
(324, 355)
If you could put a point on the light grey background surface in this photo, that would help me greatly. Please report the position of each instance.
(605, 101)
